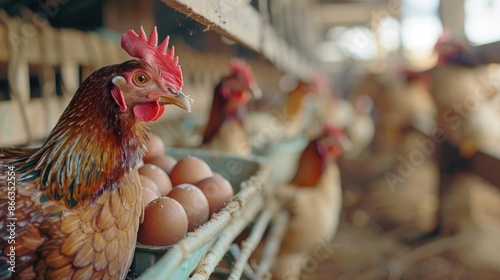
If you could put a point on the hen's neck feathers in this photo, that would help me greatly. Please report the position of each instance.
(220, 112)
(294, 101)
(92, 146)
(311, 167)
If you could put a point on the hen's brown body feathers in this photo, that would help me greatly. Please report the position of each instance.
(314, 200)
(93, 241)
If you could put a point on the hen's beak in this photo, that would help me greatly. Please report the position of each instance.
(180, 100)
(256, 91)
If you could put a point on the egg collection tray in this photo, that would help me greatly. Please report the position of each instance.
(200, 251)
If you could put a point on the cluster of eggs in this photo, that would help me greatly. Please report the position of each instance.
(179, 196)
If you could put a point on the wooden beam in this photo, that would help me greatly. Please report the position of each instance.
(344, 14)
(452, 15)
(242, 23)
(356, 13)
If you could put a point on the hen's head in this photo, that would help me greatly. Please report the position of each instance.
(151, 81)
(318, 154)
(240, 84)
(332, 142)
(445, 48)
(453, 52)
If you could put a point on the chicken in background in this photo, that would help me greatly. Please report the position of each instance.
(360, 130)
(469, 208)
(470, 217)
(295, 110)
(404, 200)
(398, 101)
(399, 192)
(365, 165)
(354, 118)
(329, 108)
(467, 92)
(78, 197)
(224, 131)
(468, 100)
(314, 201)
(286, 122)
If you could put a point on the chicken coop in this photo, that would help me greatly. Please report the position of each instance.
(250, 139)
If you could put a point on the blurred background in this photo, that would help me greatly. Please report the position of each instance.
(415, 85)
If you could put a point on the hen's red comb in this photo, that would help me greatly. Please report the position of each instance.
(139, 46)
(241, 67)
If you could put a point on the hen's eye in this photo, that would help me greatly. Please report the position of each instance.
(172, 91)
(140, 78)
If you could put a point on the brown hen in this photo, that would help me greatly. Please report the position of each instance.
(78, 199)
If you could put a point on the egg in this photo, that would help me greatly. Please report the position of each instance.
(155, 147)
(159, 177)
(165, 223)
(217, 190)
(194, 202)
(147, 183)
(164, 162)
(189, 170)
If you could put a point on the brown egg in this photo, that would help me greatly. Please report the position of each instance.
(165, 223)
(155, 147)
(148, 195)
(158, 176)
(147, 183)
(217, 190)
(164, 162)
(194, 202)
(189, 170)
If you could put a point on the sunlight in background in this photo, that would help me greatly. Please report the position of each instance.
(420, 33)
(482, 21)
(416, 33)
(420, 28)
(416, 7)
(389, 30)
(358, 43)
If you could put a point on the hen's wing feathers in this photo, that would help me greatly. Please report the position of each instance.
(216, 117)
(91, 242)
(27, 213)
(59, 172)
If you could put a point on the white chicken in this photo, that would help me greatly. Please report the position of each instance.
(314, 200)
(361, 129)
(467, 97)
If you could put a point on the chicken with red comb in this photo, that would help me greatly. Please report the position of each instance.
(287, 121)
(314, 200)
(466, 95)
(78, 196)
(225, 131)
